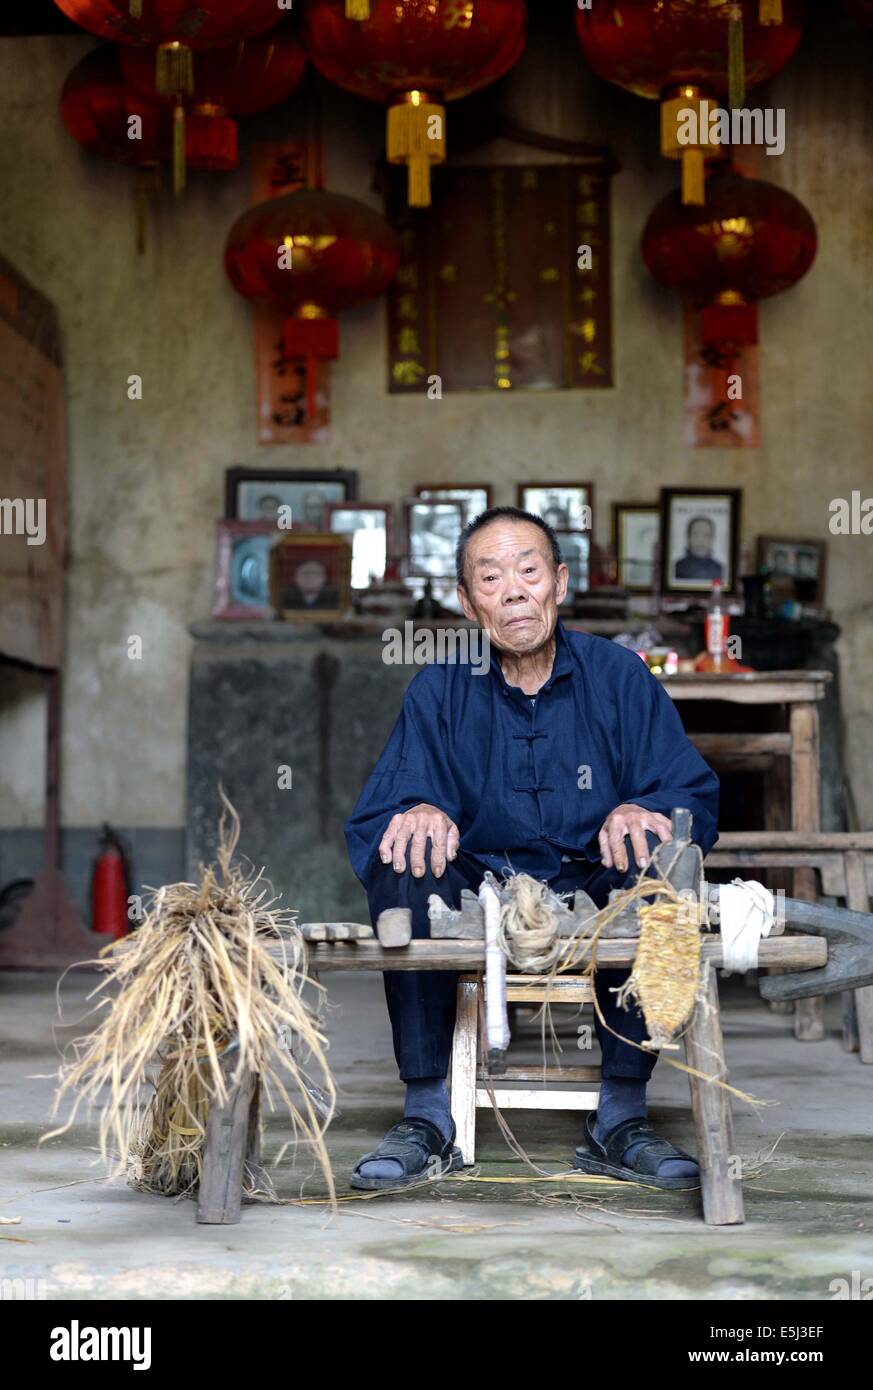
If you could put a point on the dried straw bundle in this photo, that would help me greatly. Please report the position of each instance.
(198, 979)
(666, 974)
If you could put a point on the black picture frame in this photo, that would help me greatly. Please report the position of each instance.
(236, 476)
(724, 565)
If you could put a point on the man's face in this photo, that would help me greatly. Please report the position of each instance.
(700, 537)
(513, 590)
(311, 578)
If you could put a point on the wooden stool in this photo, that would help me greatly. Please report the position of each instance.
(721, 1184)
(467, 1095)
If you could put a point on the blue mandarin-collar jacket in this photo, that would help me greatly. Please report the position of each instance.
(527, 784)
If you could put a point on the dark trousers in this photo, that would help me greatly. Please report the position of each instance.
(421, 1004)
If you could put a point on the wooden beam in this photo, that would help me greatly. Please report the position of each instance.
(741, 745)
(538, 1100)
(761, 688)
(795, 952)
(553, 1074)
(795, 840)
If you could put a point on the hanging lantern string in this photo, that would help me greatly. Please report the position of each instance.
(736, 65)
(174, 76)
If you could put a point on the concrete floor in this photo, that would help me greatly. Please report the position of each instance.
(809, 1210)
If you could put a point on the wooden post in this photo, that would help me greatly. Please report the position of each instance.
(228, 1139)
(858, 899)
(463, 1092)
(713, 1122)
(806, 816)
(704, 1049)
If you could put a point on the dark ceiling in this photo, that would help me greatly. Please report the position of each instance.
(34, 17)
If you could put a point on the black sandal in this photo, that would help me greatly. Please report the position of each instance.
(606, 1159)
(414, 1144)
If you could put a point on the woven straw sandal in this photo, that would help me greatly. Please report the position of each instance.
(420, 1149)
(606, 1159)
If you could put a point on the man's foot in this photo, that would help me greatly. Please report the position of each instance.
(624, 1098)
(427, 1098)
(634, 1152)
(411, 1152)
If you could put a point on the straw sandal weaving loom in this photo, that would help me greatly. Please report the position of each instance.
(220, 1049)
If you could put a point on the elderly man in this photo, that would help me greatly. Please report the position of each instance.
(564, 761)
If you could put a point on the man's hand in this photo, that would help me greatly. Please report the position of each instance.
(629, 819)
(418, 825)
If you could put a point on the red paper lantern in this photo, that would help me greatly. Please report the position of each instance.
(97, 106)
(751, 240)
(685, 52)
(416, 55)
(311, 254)
(249, 76)
(174, 28)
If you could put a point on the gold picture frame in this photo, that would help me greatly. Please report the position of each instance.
(325, 593)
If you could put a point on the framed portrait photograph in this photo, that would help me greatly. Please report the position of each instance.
(475, 497)
(310, 576)
(799, 562)
(565, 506)
(367, 526)
(256, 494)
(242, 568)
(576, 553)
(635, 528)
(700, 539)
(432, 533)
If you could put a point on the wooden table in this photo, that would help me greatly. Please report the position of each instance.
(799, 692)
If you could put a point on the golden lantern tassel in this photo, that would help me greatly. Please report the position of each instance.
(358, 9)
(736, 63)
(174, 69)
(178, 149)
(693, 177)
(770, 11)
(417, 138)
(691, 150)
(135, 8)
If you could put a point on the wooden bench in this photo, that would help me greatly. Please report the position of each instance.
(232, 1129)
(844, 863)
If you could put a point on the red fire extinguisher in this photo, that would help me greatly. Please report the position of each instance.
(109, 887)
